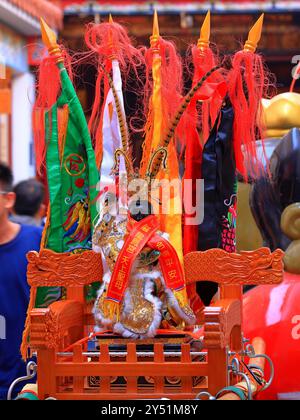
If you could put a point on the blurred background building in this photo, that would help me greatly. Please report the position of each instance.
(19, 27)
(179, 20)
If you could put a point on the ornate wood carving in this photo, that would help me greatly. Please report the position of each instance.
(49, 326)
(49, 268)
(221, 320)
(248, 267)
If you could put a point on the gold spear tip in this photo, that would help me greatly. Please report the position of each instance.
(48, 36)
(205, 28)
(254, 35)
(203, 41)
(110, 20)
(155, 32)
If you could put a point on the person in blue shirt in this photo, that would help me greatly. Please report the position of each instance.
(15, 242)
(29, 207)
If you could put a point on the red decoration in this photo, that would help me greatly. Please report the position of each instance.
(108, 41)
(48, 90)
(36, 51)
(79, 182)
(273, 313)
(248, 84)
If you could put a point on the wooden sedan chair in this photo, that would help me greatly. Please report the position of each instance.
(69, 369)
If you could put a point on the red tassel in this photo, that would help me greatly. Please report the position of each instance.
(247, 85)
(172, 87)
(95, 122)
(204, 60)
(48, 89)
(109, 41)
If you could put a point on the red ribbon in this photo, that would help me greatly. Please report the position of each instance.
(141, 234)
(169, 262)
(138, 237)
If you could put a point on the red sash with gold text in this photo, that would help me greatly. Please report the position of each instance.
(141, 234)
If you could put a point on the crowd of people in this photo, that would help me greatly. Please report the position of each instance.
(22, 212)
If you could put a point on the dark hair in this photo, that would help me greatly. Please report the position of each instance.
(29, 197)
(6, 178)
(269, 197)
(140, 209)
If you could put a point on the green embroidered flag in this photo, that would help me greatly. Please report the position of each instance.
(72, 180)
(72, 173)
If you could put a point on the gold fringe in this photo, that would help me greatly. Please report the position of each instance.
(181, 296)
(26, 332)
(111, 310)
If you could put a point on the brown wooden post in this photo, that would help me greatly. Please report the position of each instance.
(76, 293)
(104, 380)
(132, 381)
(186, 381)
(217, 370)
(78, 381)
(159, 381)
(47, 384)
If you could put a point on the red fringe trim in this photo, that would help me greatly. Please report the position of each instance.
(109, 41)
(247, 84)
(48, 90)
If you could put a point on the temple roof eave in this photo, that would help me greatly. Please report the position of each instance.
(24, 15)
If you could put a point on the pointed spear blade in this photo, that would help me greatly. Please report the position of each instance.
(205, 28)
(48, 36)
(203, 41)
(254, 34)
(155, 32)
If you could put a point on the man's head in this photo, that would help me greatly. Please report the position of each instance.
(29, 198)
(7, 196)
